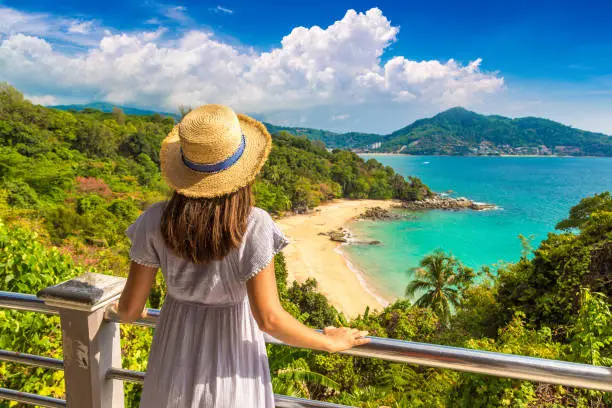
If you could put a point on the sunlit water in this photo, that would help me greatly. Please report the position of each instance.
(533, 195)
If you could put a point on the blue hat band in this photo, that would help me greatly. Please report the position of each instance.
(217, 167)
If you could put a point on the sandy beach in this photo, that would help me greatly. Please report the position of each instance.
(314, 255)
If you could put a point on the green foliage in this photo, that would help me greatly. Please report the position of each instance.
(547, 287)
(515, 338)
(317, 312)
(295, 377)
(125, 210)
(88, 203)
(30, 180)
(399, 319)
(271, 196)
(280, 270)
(478, 314)
(148, 143)
(579, 214)
(301, 174)
(591, 336)
(26, 266)
(21, 195)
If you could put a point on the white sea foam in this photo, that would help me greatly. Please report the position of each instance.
(361, 277)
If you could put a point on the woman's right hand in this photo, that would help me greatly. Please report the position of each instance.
(344, 338)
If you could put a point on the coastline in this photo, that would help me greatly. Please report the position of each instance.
(484, 155)
(363, 280)
(388, 154)
(312, 255)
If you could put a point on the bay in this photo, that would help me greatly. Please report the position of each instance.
(532, 193)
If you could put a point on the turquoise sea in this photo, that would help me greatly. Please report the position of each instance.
(533, 194)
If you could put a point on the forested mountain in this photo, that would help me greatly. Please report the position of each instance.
(456, 131)
(108, 108)
(459, 131)
(332, 140)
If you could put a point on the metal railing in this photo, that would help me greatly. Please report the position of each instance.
(461, 359)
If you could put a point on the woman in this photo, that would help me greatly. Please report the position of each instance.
(216, 254)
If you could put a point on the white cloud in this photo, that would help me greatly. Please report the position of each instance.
(343, 116)
(153, 35)
(221, 10)
(13, 21)
(77, 27)
(178, 14)
(46, 100)
(339, 65)
(50, 27)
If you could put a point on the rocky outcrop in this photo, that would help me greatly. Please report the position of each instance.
(482, 206)
(378, 214)
(343, 235)
(439, 202)
(339, 236)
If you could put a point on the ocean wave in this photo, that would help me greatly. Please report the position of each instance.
(361, 276)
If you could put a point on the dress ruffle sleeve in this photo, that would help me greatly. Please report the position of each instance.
(263, 241)
(142, 235)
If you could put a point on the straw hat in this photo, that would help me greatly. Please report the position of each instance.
(213, 152)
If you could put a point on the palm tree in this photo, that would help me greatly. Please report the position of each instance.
(437, 277)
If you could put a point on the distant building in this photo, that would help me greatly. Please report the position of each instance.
(567, 150)
(545, 150)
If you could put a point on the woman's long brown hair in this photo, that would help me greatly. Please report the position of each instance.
(206, 229)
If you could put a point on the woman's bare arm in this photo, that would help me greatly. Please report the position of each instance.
(137, 289)
(274, 320)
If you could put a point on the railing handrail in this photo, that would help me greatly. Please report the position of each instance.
(456, 358)
(280, 401)
(31, 399)
(24, 302)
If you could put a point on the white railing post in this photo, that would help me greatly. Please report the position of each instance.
(91, 345)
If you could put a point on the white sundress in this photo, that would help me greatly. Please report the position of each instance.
(207, 349)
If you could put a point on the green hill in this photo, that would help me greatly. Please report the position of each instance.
(456, 131)
(108, 108)
(350, 140)
(461, 132)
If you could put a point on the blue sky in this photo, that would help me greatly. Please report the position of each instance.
(369, 66)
